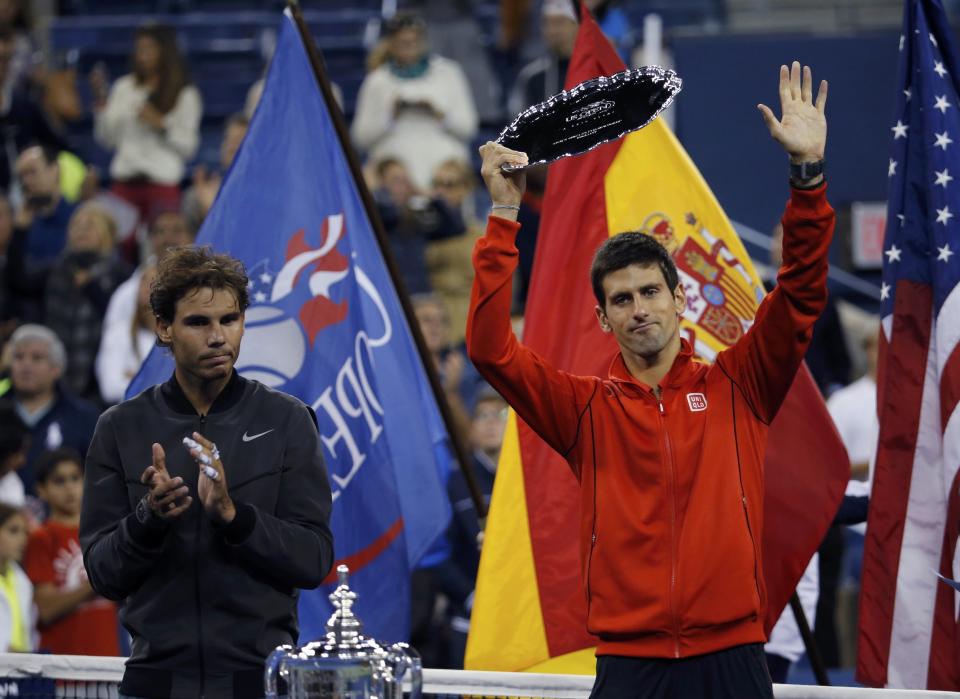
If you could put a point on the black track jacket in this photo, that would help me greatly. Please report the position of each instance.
(205, 604)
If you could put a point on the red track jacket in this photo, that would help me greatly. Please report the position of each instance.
(671, 490)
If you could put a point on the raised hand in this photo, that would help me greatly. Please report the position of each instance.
(212, 482)
(165, 492)
(505, 188)
(802, 128)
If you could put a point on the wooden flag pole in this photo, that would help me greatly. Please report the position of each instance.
(461, 453)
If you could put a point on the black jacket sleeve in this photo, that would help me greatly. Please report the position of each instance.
(295, 544)
(118, 551)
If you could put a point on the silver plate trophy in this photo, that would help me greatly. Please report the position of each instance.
(592, 113)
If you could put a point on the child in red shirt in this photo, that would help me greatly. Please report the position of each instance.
(72, 618)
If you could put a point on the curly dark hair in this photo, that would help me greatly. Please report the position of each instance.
(186, 269)
(625, 249)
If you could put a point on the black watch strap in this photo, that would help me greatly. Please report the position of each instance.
(802, 173)
(144, 514)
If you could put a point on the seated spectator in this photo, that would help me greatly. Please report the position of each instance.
(206, 184)
(151, 120)
(72, 618)
(168, 230)
(454, 32)
(14, 439)
(449, 259)
(55, 417)
(122, 353)
(15, 18)
(460, 380)
(22, 120)
(17, 618)
(416, 107)
(6, 236)
(40, 231)
(545, 76)
(410, 220)
(78, 290)
(459, 575)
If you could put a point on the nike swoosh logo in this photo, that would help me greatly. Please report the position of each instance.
(251, 437)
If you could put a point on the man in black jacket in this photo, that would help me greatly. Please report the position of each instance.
(207, 544)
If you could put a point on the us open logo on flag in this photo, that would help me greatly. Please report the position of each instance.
(697, 402)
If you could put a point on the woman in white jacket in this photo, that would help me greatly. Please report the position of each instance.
(151, 120)
(17, 614)
(415, 107)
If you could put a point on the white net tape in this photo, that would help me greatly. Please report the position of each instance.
(86, 676)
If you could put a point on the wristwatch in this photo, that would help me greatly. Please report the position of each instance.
(802, 173)
(144, 514)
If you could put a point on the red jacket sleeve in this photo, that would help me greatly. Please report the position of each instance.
(547, 399)
(764, 362)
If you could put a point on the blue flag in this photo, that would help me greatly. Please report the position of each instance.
(325, 324)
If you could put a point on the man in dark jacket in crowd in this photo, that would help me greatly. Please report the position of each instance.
(207, 545)
(56, 418)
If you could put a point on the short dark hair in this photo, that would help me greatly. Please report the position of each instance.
(13, 432)
(8, 511)
(404, 20)
(625, 249)
(49, 152)
(186, 269)
(384, 164)
(48, 461)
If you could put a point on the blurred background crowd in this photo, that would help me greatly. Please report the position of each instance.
(119, 119)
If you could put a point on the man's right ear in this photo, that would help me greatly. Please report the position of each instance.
(602, 319)
(163, 331)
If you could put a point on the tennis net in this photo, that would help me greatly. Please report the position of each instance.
(28, 676)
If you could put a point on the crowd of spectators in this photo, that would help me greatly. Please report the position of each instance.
(79, 249)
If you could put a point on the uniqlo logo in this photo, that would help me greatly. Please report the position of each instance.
(697, 402)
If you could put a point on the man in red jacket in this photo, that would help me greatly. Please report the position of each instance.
(670, 527)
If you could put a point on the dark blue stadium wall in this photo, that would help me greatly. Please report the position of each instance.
(717, 119)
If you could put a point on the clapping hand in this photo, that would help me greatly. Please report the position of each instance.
(212, 483)
(168, 496)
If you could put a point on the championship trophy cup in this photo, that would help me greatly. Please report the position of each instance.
(344, 664)
(592, 113)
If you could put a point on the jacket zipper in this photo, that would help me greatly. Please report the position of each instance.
(593, 525)
(743, 503)
(196, 580)
(671, 486)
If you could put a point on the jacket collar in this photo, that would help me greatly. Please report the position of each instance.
(682, 368)
(178, 402)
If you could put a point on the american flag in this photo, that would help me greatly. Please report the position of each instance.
(908, 618)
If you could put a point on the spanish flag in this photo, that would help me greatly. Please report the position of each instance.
(529, 608)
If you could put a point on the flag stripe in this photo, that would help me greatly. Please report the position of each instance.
(746, 304)
(950, 387)
(911, 631)
(903, 363)
(944, 670)
(361, 558)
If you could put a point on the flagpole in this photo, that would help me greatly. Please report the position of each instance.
(813, 651)
(460, 450)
